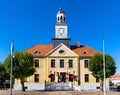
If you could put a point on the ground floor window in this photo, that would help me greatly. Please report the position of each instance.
(52, 77)
(70, 78)
(36, 78)
(97, 80)
(86, 77)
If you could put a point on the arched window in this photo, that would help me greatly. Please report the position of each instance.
(61, 18)
(64, 18)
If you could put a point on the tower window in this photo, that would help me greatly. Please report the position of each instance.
(86, 77)
(36, 63)
(61, 63)
(64, 18)
(36, 78)
(85, 63)
(58, 18)
(61, 18)
(52, 63)
(70, 63)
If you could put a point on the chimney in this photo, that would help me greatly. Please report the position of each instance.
(78, 44)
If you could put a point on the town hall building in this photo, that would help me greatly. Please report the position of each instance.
(60, 62)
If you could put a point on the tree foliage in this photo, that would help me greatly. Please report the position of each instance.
(96, 66)
(23, 66)
(3, 76)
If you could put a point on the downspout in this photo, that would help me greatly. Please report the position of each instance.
(79, 81)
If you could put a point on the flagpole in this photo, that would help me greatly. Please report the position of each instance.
(104, 68)
(11, 68)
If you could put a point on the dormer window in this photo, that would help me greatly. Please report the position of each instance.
(85, 52)
(36, 52)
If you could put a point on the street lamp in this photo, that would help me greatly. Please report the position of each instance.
(12, 55)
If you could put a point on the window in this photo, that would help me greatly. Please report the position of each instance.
(61, 18)
(61, 63)
(70, 77)
(64, 18)
(52, 63)
(36, 63)
(36, 78)
(97, 80)
(85, 52)
(36, 52)
(85, 63)
(61, 52)
(70, 63)
(86, 77)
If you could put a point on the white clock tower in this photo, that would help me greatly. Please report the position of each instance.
(61, 30)
(61, 26)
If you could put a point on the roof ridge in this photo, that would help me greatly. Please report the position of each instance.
(54, 49)
(92, 49)
(37, 45)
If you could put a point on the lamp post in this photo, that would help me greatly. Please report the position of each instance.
(104, 69)
(12, 55)
(11, 76)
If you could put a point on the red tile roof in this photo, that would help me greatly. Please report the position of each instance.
(83, 51)
(41, 49)
(115, 77)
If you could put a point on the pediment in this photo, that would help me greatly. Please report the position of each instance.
(61, 51)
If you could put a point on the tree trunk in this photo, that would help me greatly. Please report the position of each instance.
(101, 85)
(22, 83)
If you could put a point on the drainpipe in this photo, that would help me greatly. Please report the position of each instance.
(79, 71)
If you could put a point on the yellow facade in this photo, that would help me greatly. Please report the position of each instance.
(44, 70)
(84, 71)
(65, 69)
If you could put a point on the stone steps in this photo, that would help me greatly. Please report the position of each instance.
(59, 87)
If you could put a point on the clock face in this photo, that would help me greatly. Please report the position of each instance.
(61, 31)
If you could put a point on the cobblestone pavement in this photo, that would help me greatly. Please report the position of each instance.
(6, 92)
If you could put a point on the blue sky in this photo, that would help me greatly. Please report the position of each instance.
(31, 22)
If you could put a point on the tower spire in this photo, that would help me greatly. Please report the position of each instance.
(61, 16)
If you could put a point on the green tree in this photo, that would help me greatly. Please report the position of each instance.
(96, 67)
(4, 76)
(23, 66)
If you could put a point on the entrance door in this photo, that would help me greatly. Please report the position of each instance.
(62, 77)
